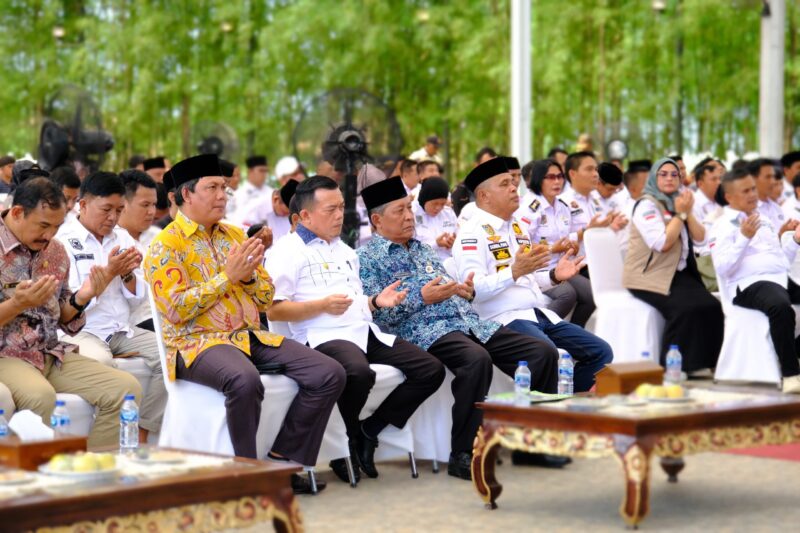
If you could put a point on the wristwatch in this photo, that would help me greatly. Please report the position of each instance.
(683, 216)
(75, 305)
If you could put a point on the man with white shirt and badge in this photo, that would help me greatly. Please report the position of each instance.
(436, 224)
(510, 273)
(581, 172)
(606, 197)
(253, 192)
(707, 179)
(764, 172)
(92, 239)
(318, 291)
(753, 263)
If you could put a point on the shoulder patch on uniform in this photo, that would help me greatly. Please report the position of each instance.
(488, 229)
(75, 243)
(535, 204)
(574, 204)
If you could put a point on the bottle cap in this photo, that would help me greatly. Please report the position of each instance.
(130, 397)
(2, 411)
(566, 355)
(673, 346)
(522, 363)
(59, 403)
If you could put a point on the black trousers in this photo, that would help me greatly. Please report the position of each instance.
(227, 369)
(424, 374)
(694, 321)
(776, 302)
(471, 363)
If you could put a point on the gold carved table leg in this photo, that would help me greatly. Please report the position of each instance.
(484, 459)
(288, 519)
(635, 458)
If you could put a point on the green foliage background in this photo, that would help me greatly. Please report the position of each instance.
(608, 67)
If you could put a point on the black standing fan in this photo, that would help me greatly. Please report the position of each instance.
(347, 128)
(72, 131)
(218, 138)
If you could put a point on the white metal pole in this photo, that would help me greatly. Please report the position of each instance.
(521, 108)
(770, 104)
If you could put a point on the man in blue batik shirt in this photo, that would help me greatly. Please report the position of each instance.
(436, 315)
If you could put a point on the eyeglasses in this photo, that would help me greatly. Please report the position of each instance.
(554, 177)
(665, 174)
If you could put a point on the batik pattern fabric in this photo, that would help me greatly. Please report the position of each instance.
(198, 305)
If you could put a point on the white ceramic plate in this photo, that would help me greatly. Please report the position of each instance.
(683, 399)
(159, 458)
(95, 475)
(16, 478)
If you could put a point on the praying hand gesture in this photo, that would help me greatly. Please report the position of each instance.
(435, 291)
(568, 266)
(390, 296)
(243, 259)
(29, 294)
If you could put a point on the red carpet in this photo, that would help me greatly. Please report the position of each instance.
(787, 452)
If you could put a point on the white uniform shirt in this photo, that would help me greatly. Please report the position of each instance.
(606, 206)
(546, 221)
(252, 204)
(582, 210)
(310, 269)
(279, 225)
(110, 312)
(466, 213)
(486, 246)
(141, 311)
(791, 208)
(740, 261)
(429, 228)
(423, 155)
(703, 210)
(788, 192)
(653, 229)
(773, 212)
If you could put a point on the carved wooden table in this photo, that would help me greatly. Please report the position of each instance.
(717, 421)
(239, 493)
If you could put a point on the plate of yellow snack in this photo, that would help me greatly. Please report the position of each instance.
(15, 477)
(663, 393)
(82, 466)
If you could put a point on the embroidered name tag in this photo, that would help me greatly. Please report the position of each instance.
(78, 257)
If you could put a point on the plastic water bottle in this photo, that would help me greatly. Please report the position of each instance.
(673, 374)
(59, 420)
(129, 424)
(522, 385)
(566, 374)
(3, 424)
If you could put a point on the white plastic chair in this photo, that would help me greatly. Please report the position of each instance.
(628, 324)
(747, 353)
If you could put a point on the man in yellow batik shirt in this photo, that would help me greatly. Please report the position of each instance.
(209, 287)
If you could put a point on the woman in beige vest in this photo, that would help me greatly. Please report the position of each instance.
(660, 268)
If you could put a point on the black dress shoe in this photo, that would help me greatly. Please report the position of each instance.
(301, 485)
(539, 459)
(339, 467)
(365, 451)
(460, 464)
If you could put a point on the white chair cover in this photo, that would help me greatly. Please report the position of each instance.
(195, 417)
(747, 352)
(628, 324)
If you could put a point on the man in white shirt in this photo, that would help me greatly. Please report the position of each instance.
(318, 291)
(510, 273)
(252, 193)
(436, 223)
(581, 171)
(92, 239)
(790, 163)
(707, 179)
(408, 173)
(136, 219)
(429, 152)
(764, 172)
(753, 263)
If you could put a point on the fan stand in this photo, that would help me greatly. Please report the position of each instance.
(351, 227)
